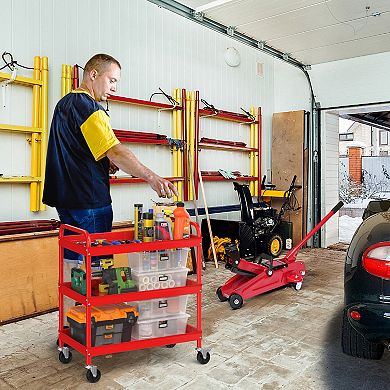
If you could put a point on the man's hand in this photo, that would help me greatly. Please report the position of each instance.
(163, 187)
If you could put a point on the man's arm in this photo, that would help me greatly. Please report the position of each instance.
(128, 162)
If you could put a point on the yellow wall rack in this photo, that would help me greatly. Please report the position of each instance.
(38, 130)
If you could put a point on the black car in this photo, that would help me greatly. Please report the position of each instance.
(366, 317)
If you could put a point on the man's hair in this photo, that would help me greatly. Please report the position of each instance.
(100, 62)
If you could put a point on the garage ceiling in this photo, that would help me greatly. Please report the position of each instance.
(311, 31)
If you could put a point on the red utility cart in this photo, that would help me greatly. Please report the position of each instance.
(81, 241)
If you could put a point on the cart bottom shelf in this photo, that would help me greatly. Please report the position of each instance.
(192, 334)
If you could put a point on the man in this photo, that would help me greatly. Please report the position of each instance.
(82, 148)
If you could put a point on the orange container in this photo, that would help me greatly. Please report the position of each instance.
(182, 222)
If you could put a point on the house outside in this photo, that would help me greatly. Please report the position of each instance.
(373, 141)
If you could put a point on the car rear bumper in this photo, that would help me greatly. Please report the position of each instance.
(374, 323)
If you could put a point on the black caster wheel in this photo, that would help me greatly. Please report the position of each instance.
(63, 359)
(298, 286)
(170, 345)
(91, 378)
(201, 359)
(220, 296)
(235, 301)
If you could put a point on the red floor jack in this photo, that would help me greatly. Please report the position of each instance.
(255, 278)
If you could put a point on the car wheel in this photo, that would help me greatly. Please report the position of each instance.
(354, 344)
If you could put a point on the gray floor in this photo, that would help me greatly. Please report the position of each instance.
(284, 339)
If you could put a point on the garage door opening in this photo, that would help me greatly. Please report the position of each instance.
(364, 165)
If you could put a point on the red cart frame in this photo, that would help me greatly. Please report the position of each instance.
(81, 242)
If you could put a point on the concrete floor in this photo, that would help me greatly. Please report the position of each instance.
(284, 339)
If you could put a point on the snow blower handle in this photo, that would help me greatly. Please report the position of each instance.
(292, 253)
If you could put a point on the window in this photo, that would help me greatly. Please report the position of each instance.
(346, 137)
(383, 137)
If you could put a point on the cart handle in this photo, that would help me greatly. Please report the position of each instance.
(292, 253)
(75, 229)
(197, 228)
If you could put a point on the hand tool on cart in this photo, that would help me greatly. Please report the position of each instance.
(265, 273)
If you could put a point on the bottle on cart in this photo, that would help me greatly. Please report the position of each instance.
(147, 227)
(138, 221)
(182, 222)
(161, 228)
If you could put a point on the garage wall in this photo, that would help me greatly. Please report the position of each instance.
(156, 49)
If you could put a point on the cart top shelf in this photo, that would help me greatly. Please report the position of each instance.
(81, 241)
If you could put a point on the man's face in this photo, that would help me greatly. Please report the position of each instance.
(104, 84)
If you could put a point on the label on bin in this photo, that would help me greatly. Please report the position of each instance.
(164, 257)
(163, 278)
(162, 304)
(162, 324)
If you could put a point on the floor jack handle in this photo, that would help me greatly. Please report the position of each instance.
(292, 253)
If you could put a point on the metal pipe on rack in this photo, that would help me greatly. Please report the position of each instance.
(44, 126)
(35, 144)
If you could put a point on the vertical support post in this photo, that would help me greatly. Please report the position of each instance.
(252, 154)
(179, 152)
(196, 145)
(175, 136)
(34, 200)
(185, 131)
(44, 126)
(190, 140)
(75, 77)
(182, 131)
(63, 82)
(259, 150)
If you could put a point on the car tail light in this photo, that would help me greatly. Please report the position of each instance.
(355, 315)
(376, 260)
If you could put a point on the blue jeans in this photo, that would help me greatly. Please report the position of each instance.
(97, 220)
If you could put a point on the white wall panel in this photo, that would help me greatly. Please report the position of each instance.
(329, 176)
(156, 49)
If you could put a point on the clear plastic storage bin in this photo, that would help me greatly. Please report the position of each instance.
(156, 308)
(158, 260)
(147, 281)
(160, 327)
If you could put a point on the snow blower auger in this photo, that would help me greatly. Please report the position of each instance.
(264, 273)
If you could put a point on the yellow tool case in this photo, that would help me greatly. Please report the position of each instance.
(110, 324)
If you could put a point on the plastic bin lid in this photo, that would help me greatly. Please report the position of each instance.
(102, 313)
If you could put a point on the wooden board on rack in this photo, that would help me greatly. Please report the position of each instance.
(288, 130)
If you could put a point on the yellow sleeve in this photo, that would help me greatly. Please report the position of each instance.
(98, 133)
